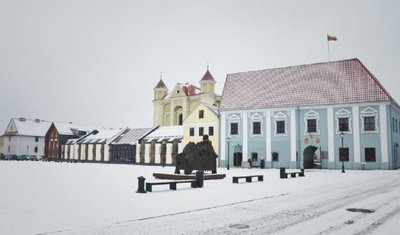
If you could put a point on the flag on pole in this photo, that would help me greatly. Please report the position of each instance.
(331, 37)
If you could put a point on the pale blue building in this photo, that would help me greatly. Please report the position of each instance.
(316, 115)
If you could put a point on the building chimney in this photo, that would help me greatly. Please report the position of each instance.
(37, 120)
(22, 119)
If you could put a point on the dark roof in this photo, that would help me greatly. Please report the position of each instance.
(160, 84)
(207, 77)
(338, 82)
(132, 136)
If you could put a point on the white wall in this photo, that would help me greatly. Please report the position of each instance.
(23, 145)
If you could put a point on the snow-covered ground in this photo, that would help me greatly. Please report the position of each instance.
(68, 198)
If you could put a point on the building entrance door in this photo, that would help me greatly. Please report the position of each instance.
(309, 157)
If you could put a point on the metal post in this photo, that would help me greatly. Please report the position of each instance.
(342, 152)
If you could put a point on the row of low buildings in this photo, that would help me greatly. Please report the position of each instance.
(321, 115)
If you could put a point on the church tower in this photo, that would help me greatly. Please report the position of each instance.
(160, 92)
(207, 83)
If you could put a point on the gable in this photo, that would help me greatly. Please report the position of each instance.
(209, 115)
(177, 91)
(11, 128)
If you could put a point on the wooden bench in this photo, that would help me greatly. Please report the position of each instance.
(172, 184)
(248, 178)
(284, 174)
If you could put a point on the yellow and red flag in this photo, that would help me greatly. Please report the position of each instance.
(331, 37)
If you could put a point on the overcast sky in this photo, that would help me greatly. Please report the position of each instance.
(96, 62)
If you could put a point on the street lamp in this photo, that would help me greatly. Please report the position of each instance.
(227, 166)
(342, 152)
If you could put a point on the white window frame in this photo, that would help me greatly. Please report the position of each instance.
(233, 119)
(343, 113)
(256, 117)
(369, 112)
(311, 114)
(280, 116)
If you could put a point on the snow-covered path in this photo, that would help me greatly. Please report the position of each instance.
(316, 210)
(64, 198)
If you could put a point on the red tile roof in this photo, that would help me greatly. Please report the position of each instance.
(160, 84)
(190, 90)
(207, 77)
(338, 82)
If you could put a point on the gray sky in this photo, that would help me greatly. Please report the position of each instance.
(96, 62)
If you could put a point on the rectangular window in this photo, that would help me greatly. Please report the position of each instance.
(393, 124)
(9, 138)
(343, 124)
(234, 128)
(370, 155)
(280, 127)
(201, 114)
(191, 131)
(369, 123)
(344, 154)
(275, 156)
(210, 130)
(37, 139)
(9, 148)
(36, 149)
(312, 125)
(256, 128)
(201, 131)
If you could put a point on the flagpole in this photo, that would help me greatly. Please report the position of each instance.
(329, 53)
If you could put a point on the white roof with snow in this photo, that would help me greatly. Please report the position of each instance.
(27, 127)
(166, 132)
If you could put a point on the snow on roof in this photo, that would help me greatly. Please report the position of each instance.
(337, 82)
(166, 132)
(30, 127)
(131, 136)
(101, 136)
(67, 128)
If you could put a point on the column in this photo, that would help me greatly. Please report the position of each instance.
(168, 157)
(157, 156)
(293, 139)
(331, 138)
(383, 130)
(222, 133)
(245, 137)
(356, 137)
(147, 153)
(268, 139)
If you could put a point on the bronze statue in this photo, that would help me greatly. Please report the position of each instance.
(200, 156)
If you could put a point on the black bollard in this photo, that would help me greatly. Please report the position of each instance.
(141, 181)
(283, 173)
(200, 178)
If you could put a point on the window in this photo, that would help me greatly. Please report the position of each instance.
(370, 155)
(201, 114)
(369, 117)
(275, 156)
(312, 125)
(256, 128)
(9, 138)
(191, 131)
(344, 154)
(201, 131)
(343, 124)
(393, 124)
(211, 131)
(36, 149)
(234, 128)
(280, 127)
(369, 123)
(9, 148)
(311, 119)
(37, 139)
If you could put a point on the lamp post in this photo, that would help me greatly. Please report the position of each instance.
(227, 166)
(342, 152)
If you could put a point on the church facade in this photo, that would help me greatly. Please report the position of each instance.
(325, 115)
(172, 108)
